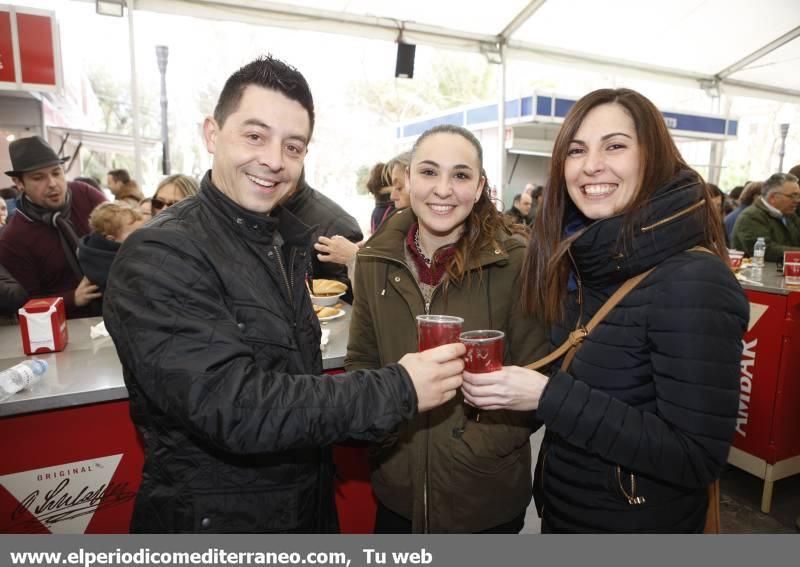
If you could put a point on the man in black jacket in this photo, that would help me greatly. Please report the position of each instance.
(326, 218)
(219, 344)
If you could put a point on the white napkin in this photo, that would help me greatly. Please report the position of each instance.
(326, 334)
(98, 330)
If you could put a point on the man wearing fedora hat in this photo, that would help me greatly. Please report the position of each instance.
(38, 245)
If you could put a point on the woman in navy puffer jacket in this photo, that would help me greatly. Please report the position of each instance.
(642, 420)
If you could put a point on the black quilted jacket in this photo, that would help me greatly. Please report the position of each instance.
(220, 351)
(643, 420)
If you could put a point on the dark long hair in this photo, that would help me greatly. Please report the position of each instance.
(547, 264)
(484, 224)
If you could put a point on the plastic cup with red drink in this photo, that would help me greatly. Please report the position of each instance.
(437, 330)
(484, 351)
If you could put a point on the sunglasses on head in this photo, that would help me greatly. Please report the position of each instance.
(159, 204)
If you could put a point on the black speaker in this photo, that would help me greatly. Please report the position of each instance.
(405, 60)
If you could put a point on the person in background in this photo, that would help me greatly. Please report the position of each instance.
(450, 253)
(111, 224)
(796, 172)
(536, 201)
(520, 209)
(329, 220)
(90, 181)
(123, 187)
(12, 297)
(146, 208)
(397, 167)
(381, 191)
(642, 420)
(773, 217)
(38, 244)
(10, 196)
(338, 249)
(748, 196)
(220, 349)
(718, 204)
(733, 197)
(171, 190)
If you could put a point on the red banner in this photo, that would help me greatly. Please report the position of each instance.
(36, 54)
(7, 74)
(768, 426)
(35, 45)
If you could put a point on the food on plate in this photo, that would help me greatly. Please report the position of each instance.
(323, 288)
(326, 312)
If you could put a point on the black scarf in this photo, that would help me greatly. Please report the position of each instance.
(60, 220)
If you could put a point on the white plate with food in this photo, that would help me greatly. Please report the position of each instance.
(325, 314)
(326, 292)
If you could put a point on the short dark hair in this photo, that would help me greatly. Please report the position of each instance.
(536, 192)
(517, 198)
(120, 175)
(269, 73)
(795, 170)
(375, 181)
(736, 192)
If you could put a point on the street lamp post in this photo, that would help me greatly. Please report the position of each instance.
(784, 132)
(162, 54)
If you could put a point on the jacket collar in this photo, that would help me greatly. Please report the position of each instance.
(389, 241)
(671, 222)
(254, 226)
(300, 196)
(769, 209)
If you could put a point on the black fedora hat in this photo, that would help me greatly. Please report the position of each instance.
(30, 154)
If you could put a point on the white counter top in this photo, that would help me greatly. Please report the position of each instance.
(88, 371)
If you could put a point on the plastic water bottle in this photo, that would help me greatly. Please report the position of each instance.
(758, 252)
(20, 376)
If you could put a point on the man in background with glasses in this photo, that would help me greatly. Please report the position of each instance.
(772, 216)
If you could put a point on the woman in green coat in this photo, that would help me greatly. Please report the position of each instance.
(449, 253)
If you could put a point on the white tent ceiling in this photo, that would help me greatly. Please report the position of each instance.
(740, 46)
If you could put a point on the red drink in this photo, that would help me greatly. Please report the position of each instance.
(484, 351)
(437, 330)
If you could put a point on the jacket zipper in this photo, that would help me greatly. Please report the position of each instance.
(425, 482)
(283, 272)
(544, 464)
(580, 288)
(631, 497)
(674, 216)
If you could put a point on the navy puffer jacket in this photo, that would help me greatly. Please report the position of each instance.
(643, 420)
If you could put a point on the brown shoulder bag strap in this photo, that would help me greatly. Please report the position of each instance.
(576, 337)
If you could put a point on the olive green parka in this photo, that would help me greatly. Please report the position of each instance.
(444, 472)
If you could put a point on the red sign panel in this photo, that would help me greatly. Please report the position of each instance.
(73, 470)
(786, 436)
(758, 379)
(7, 74)
(36, 49)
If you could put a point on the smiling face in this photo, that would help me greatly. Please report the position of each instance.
(444, 182)
(46, 187)
(602, 168)
(260, 148)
